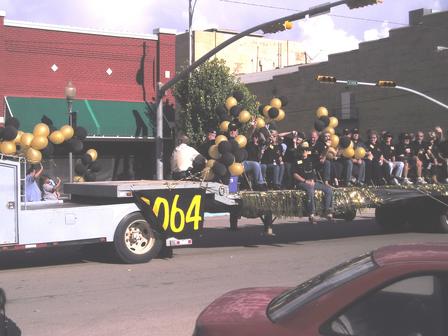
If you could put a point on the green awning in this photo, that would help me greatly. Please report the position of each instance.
(101, 118)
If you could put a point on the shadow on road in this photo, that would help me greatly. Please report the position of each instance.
(215, 234)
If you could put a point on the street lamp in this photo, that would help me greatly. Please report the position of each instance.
(441, 48)
(70, 94)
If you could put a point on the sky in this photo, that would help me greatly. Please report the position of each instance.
(338, 31)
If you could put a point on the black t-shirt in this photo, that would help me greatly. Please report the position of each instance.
(389, 151)
(204, 147)
(404, 151)
(272, 154)
(304, 168)
(375, 149)
(419, 149)
(253, 152)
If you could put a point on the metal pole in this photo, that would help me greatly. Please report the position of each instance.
(190, 33)
(70, 122)
(159, 133)
(421, 95)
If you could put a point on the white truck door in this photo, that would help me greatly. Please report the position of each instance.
(9, 203)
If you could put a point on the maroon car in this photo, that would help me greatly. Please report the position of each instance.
(398, 290)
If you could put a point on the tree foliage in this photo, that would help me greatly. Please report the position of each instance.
(199, 95)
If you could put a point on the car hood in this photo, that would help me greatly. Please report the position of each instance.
(242, 307)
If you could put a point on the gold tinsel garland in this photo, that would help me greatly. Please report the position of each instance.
(292, 203)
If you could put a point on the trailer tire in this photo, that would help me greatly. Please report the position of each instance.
(389, 219)
(442, 224)
(135, 241)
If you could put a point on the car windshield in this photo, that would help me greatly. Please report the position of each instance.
(291, 300)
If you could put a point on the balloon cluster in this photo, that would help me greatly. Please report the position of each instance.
(232, 111)
(327, 124)
(87, 166)
(272, 111)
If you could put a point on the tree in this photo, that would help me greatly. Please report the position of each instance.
(199, 96)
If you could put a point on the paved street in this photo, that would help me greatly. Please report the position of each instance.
(67, 293)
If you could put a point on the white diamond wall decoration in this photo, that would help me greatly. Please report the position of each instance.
(109, 71)
(54, 67)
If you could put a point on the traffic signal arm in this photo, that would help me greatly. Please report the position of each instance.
(362, 3)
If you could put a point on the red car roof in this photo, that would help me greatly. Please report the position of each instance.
(411, 253)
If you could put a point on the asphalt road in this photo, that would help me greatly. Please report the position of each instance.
(67, 293)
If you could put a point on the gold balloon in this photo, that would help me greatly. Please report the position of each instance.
(33, 155)
(18, 137)
(67, 131)
(39, 142)
(78, 179)
(348, 152)
(360, 152)
(57, 137)
(321, 111)
(41, 129)
(26, 139)
(213, 152)
(224, 126)
(242, 140)
(8, 147)
(281, 115)
(329, 130)
(331, 153)
(288, 25)
(236, 169)
(207, 174)
(220, 138)
(230, 102)
(244, 116)
(334, 140)
(266, 110)
(93, 154)
(275, 102)
(260, 123)
(210, 163)
(334, 122)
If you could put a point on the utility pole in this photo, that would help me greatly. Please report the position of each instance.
(270, 26)
(191, 8)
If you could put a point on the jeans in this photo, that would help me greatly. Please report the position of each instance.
(310, 202)
(277, 172)
(360, 171)
(254, 168)
(398, 165)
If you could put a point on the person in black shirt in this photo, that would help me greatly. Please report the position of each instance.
(210, 141)
(419, 146)
(395, 168)
(305, 178)
(318, 149)
(375, 168)
(359, 165)
(272, 161)
(405, 155)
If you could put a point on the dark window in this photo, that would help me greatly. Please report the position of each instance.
(409, 307)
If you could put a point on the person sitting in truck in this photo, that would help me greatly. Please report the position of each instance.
(304, 174)
(32, 190)
(184, 159)
(50, 188)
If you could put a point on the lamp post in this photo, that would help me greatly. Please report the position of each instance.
(70, 94)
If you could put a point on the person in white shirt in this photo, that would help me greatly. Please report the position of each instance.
(50, 189)
(183, 158)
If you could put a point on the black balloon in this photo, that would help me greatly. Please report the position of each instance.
(325, 120)
(319, 125)
(273, 112)
(238, 95)
(47, 121)
(227, 159)
(14, 122)
(199, 163)
(224, 147)
(9, 133)
(235, 145)
(80, 169)
(344, 142)
(235, 110)
(81, 132)
(48, 151)
(90, 176)
(96, 166)
(86, 159)
(241, 155)
(221, 111)
(261, 108)
(284, 100)
(75, 145)
(219, 168)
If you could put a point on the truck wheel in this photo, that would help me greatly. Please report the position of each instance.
(390, 219)
(442, 224)
(349, 215)
(135, 241)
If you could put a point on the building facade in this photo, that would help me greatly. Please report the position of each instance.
(253, 53)
(115, 75)
(413, 56)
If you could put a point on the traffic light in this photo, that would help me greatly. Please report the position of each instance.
(326, 79)
(362, 3)
(273, 28)
(386, 83)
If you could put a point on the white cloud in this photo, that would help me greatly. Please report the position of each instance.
(320, 38)
(375, 34)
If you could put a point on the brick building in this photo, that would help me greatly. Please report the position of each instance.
(114, 74)
(408, 56)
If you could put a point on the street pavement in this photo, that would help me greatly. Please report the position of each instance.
(68, 292)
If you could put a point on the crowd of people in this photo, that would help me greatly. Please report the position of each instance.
(295, 160)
